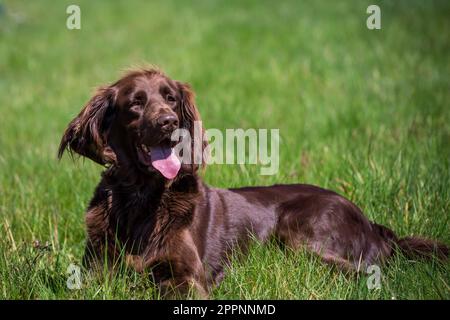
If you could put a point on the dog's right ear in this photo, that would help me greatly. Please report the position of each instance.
(190, 117)
(87, 133)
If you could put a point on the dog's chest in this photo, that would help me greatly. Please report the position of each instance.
(145, 223)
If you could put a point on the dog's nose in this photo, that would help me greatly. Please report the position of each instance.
(167, 122)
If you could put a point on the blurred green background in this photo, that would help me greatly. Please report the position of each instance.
(363, 112)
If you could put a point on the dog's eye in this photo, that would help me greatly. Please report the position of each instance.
(136, 106)
(170, 98)
(136, 102)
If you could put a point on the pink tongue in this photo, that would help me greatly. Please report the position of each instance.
(165, 161)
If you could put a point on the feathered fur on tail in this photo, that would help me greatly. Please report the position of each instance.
(415, 247)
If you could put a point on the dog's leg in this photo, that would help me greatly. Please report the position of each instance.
(334, 228)
(180, 288)
(179, 271)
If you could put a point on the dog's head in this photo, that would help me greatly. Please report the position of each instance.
(130, 123)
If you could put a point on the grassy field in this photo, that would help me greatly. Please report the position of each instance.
(365, 113)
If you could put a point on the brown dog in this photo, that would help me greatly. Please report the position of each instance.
(160, 214)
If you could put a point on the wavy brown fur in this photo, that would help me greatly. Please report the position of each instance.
(183, 230)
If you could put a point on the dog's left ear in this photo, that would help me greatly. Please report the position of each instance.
(190, 117)
(87, 133)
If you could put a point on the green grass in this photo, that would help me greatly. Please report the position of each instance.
(365, 113)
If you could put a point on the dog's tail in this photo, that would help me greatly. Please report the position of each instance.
(414, 247)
